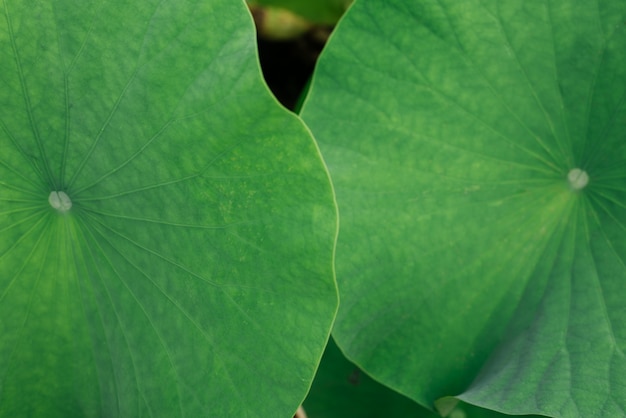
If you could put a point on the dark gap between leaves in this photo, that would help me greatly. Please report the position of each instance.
(287, 64)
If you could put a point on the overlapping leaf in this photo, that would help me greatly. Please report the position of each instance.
(192, 274)
(478, 153)
(341, 389)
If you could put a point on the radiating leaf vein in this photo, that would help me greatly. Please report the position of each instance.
(25, 235)
(160, 132)
(29, 158)
(27, 101)
(161, 221)
(203, 331)
(565, 151)
(75, 250)
(27, 261)
(106, 123)
(120, 278)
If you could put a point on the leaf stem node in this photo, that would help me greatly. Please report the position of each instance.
(577, 178)
(60, 201)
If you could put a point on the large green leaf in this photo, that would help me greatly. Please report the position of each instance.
(167, 228)
(475, 258)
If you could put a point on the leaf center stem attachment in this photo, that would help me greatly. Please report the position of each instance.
(60, 201)
(577, 178)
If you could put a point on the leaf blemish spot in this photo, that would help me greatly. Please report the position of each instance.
(60, 201)
(577, 178)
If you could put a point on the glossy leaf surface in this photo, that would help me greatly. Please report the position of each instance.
(164, 223)
(475, 257)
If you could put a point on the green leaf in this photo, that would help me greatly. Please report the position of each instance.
(474, 258)
(167, 229)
